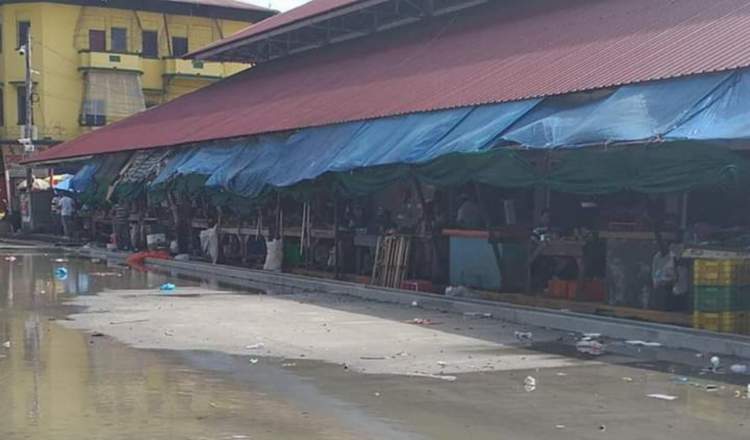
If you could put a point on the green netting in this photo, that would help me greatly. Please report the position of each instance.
(648, 169)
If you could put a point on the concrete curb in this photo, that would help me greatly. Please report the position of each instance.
(670, 336)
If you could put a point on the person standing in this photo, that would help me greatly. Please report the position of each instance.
(121, 218)
(67, 214)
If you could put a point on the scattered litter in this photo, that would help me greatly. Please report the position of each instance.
(711, 388)
(529, 384)
(105, 274)
(61, 273)
(715, 362)
(681, 379)
(738, 369)
(525, 337)
(662, 397)
(442, 363)
(593, 348)
(60, 260)
(6, 344)
(699, 355)
(422, 321)
(257, 346)
(414, 304)
(97, 335)
(169, 333)
(253, 361)
(10, 258)
(643, 343)
(561, 374)
(627, 379)
(478, 315)
(602, 428)
(167, 287)
(134, 321)
(560, 426)
(289, 364)
(372, 358)
(444, 377)
(377, 394)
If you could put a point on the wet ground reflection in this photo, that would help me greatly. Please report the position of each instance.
(61, 384)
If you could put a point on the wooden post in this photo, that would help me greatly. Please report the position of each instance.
(491, 240)
(433, 238)
(336, 253)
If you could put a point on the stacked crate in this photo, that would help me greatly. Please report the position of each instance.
(721, 296)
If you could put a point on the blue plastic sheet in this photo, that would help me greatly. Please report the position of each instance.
(84, 178)
(702, 108)
(630, 113)
(412, 139)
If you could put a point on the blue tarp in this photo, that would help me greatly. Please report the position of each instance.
(705, 107)
(84, 178)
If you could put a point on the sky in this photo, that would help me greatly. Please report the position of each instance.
(281, 5)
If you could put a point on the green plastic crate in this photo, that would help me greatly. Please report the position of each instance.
(716, 299)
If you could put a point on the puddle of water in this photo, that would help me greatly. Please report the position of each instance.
(57, 383)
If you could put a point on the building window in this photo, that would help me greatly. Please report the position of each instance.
(119, 40)
(97, 40)
(179, 46)
(21, 105)
(150, 44)
(24, 27)
(94, 113)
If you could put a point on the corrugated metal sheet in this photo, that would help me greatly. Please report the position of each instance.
(307, 10)
(493, 54)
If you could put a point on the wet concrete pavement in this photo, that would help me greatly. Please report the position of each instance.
(61, 383)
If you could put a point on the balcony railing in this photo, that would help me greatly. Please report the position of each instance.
(111, 61)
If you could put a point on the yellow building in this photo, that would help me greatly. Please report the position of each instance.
(97, 61)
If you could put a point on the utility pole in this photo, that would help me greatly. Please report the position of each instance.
(28, 137)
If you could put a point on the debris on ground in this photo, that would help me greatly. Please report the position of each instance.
(60, 260)
(257, 346)
(445, 377)
(167, 287)
(715, 363)
(376, 394)
(61, 273)
(529, 384)
(97, 335)
(288, 364)
(711, 388)
(442, 363)
(477, 315)
(627, 379)
(560, 426)
(105, 274)
(662, 397)
(638, 343)
(738, 369)
(6, 344)
(253, 361)
(525, 337)
(422, 321)
(590, 347)
(414, 304)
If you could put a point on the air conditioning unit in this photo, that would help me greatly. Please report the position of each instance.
(34, 132)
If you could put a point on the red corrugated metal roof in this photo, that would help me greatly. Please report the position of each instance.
(305, 11)
(492, 54)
